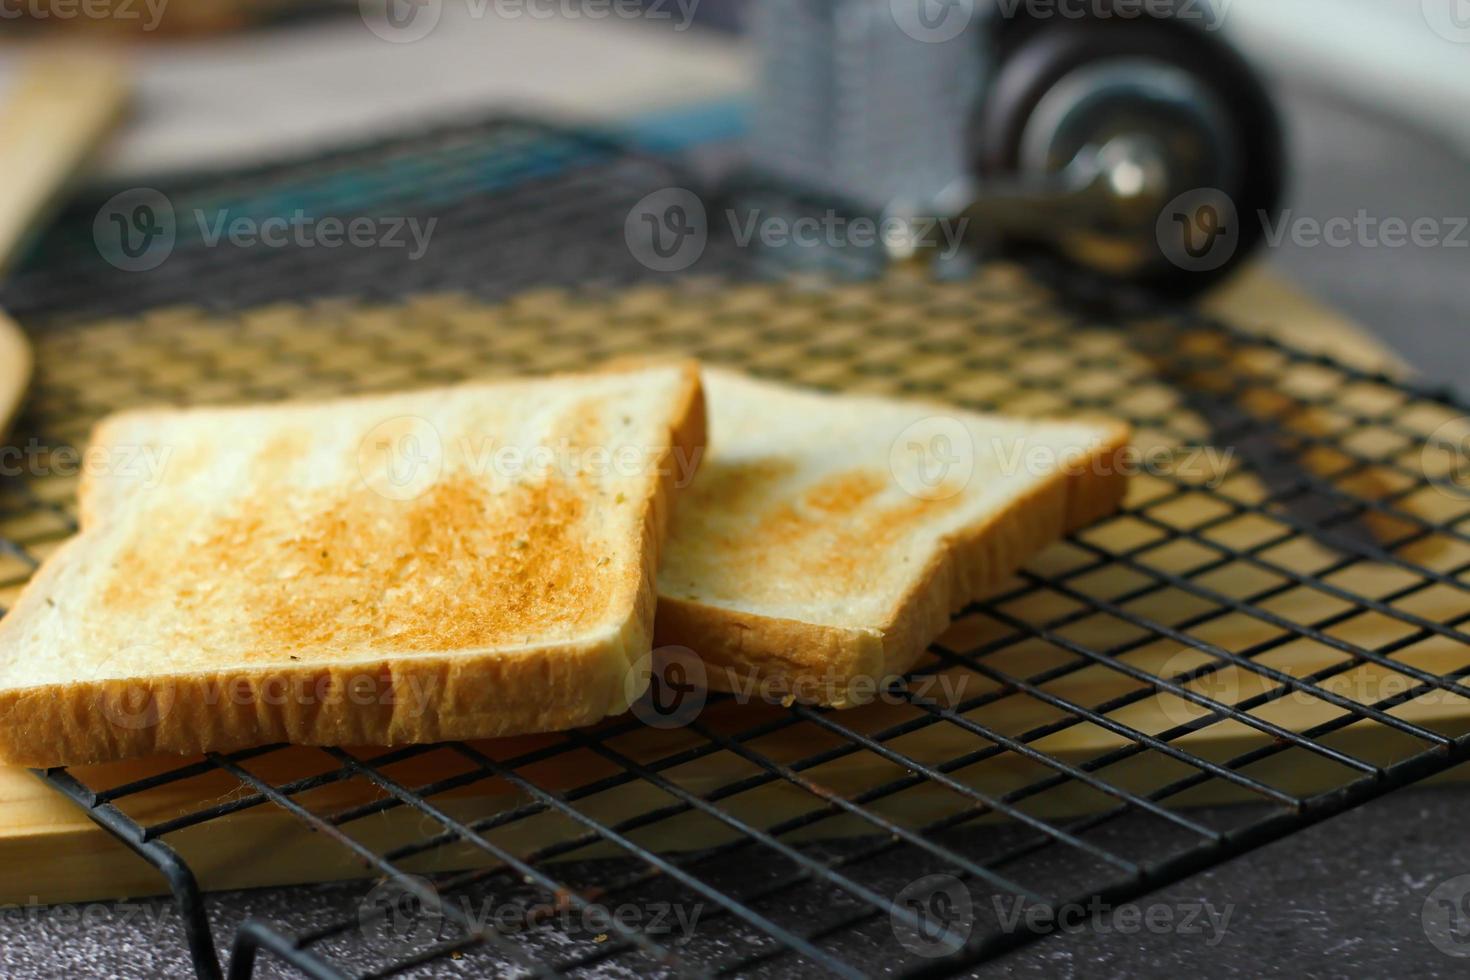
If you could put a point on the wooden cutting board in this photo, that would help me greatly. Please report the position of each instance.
(51, 851)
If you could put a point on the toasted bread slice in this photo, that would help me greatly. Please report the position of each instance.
(469, 561)
(828, 539)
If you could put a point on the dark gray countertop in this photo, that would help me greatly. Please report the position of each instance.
(1343, 898)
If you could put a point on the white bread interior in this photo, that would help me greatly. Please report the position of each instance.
(828, 539)
(376, 570)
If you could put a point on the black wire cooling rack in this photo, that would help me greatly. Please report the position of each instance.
(1247, 648)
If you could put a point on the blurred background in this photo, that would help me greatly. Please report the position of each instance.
(1374, 96)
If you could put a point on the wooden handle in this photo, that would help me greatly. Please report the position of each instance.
(15, 371)
(59, 109)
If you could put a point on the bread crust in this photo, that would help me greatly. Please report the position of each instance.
(388, 700)
(843, 666)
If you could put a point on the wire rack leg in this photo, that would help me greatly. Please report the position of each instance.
(254, 936)
(181, 881)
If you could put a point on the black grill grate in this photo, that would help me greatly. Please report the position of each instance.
(1215, 667)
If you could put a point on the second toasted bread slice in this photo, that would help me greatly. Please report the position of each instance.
(462, 562)
(828, 539)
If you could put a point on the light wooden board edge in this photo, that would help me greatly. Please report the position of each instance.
(71, 861)
(1259, 301)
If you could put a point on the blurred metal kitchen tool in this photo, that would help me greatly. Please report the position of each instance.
(56, 112)
(1140, 147)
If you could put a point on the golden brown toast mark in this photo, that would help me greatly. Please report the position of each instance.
(840, 510)
(483, 568)
(580, 428)
(845, 492)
